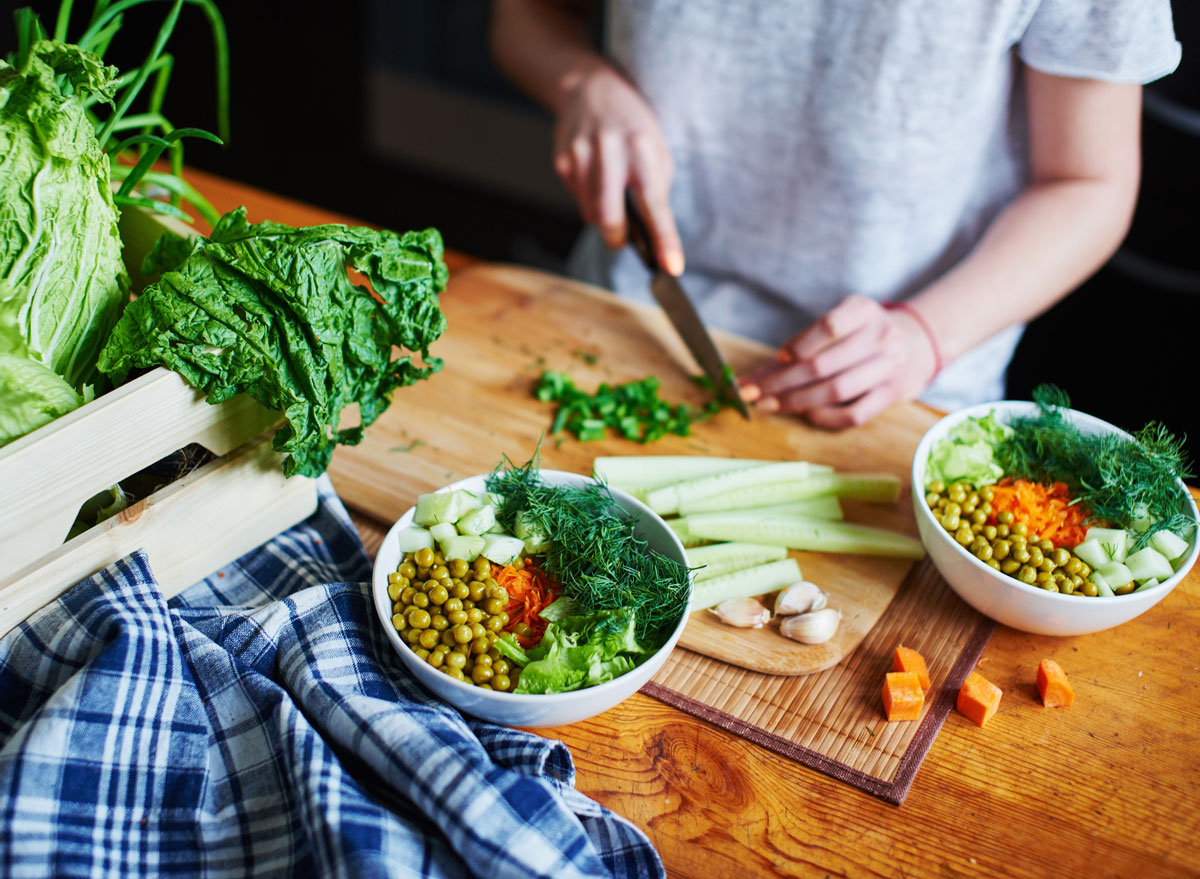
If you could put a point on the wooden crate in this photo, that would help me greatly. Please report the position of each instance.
(189, 528)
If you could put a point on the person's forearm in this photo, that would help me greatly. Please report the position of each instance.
(1053, 237)
(543, 46)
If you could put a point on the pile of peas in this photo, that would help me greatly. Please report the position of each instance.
(997, 540)
(450, 612)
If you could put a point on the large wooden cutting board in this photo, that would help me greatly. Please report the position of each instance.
(507, 325)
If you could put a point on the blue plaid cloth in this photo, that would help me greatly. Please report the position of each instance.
(261, 724)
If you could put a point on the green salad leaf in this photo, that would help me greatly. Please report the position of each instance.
(62, 282)
(270, 310)
(577, 651)
(32, 395)
(968, 452)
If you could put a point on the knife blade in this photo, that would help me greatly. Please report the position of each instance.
(682, 314)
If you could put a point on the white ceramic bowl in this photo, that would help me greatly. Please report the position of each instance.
(513, 709)
(1006, 599)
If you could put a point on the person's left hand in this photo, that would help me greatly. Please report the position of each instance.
(846, 368)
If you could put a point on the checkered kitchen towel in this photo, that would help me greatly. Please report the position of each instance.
(261, 724)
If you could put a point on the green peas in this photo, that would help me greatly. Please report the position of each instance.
(952, 509)
(423, 557)
(430, 638)
(458, 568)
(957, 493)
(501, 682)
(399, 622)
(477, 629)
(411, 635)
(1089, 589)
(989, 531)
(474, 615)
(463, 634)
(420, 599)
(494, 624)
(964, 535)
(1004, 517)
(475, 589)
(456, 660)
(1026, 574)
(1035, 555)
(1000, 549)
(407, 570)
(493, 606)
(1061, 556)
(993, 564)
(984, 552)
(480, 645)
(440, 623)
(1002, 531)
(1046, 565)
(419, 618)
(979, 517)
(482, 567)
(439, 594)
(1010, 566)
(931, 499)
(937, 486)
(456, 617)
(1020, 553)
(395, 588)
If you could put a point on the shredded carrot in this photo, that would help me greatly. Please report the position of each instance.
(1046, 510)
(530, 589)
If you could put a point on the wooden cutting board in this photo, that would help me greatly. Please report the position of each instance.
(507, 325)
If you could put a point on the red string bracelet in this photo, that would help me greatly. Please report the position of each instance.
(938, 362)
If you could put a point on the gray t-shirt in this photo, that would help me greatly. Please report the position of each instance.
(825, 147)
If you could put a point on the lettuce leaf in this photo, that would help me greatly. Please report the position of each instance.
(968, 452)
(270, 310)
(62, 281)
(31, 396)
(577, 652)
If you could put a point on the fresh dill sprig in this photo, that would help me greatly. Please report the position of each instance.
(1119, 480)
(594, 551)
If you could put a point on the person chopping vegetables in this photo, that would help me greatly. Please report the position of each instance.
(885, 190)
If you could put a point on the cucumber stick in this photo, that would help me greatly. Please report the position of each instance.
(725, 558)
(676, 497)
(749, 581)
(680, 527)
(641, 474)
(817, 535)
(875, 487)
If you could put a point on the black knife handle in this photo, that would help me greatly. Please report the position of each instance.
(639, 234)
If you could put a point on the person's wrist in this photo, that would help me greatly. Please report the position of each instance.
(587, 73)
(914, 317)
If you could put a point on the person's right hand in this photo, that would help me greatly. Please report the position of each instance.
(607, 138)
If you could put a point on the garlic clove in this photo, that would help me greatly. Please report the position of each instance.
(745, 613)
(815, 627)
(800, 597)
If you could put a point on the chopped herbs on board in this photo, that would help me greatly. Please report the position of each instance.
(633, 409)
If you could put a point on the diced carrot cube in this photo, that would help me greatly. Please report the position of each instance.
(903, 697)
(907, 659)
(978, 698)
(1052, 683)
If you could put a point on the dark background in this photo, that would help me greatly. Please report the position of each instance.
(391, 111)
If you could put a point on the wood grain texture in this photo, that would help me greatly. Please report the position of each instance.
(1105, 788)
(508, 324)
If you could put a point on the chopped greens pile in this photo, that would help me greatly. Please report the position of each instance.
(594, 553)
(634, 409)
(270, 310)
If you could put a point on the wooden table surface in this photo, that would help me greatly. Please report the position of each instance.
(1105, 788)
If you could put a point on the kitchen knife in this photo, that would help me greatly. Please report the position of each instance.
(679, 309)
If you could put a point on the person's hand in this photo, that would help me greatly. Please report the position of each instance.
(607, 138)
(847, 367)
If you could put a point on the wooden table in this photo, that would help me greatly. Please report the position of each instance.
(1106, 788)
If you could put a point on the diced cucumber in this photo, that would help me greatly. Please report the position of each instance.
(1170, 544)
(462, 546)
(1115, 574)
(536, 540)
(1092, 552)
(725, 558)
(501, 549)
(1114, 541)
(1149, 584)
(443, 506)
(642, 474)
(1101, 584)
(477, 521)
(536, 544)
(748, 581)
(681, 495)
(412, 538)
(1149, 563)
(443, 531)
(818, 535)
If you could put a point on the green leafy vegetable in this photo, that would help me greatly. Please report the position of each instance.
(968, 453)
(270, 310)
(634, 409)
(577, 651)
(1121, 481)
(62, 282)
(32, 395)
(594, 553)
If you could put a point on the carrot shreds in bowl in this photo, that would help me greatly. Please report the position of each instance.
(1046, 510)
(530, 589)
